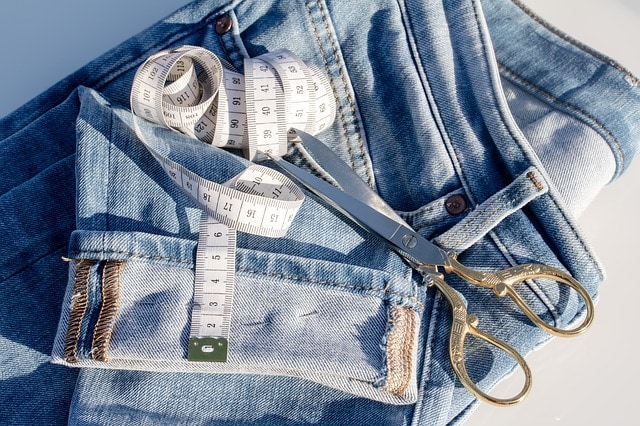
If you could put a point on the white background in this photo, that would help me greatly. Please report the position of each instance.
(588, 380)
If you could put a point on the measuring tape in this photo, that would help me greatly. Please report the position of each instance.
(189, 89)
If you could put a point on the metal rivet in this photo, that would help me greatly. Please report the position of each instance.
(223, 24)
(456, 204)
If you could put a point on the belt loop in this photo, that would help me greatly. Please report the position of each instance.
(525, 188)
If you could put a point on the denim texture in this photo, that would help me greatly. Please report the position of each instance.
(433, 99)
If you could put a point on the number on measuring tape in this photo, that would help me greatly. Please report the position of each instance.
(189, 89)
(213, 291)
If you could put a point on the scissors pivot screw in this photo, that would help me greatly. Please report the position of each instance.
(409, 241)
(473, 320)
(500, 290)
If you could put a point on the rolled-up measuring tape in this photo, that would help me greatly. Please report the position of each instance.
(190, 90)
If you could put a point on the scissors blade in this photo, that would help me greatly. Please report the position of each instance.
(399, 235)
(345, 176)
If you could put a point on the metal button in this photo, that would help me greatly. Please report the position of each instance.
(456, 204)
(223, 24)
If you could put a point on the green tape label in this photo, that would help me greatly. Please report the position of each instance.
(208, 349)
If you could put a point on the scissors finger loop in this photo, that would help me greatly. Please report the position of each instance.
(502, 283)
(463, 324)
(515, 355)
(523, 272)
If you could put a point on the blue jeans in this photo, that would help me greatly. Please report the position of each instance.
(434, 100)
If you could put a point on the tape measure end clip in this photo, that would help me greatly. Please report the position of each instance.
(208, 349)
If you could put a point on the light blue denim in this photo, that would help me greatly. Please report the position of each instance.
(477, 98)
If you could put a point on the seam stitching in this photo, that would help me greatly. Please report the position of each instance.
(106, 318)
(569, 39)
(537, 90)
(340, 108)
(435, 109)
(400, 348)
(515, 138)
(269, 274)
(348, 94)
(130, 254)
(535, 181)
(79, 303)
(334, 284)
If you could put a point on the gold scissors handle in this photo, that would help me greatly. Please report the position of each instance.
(463, 324)
(502, 283)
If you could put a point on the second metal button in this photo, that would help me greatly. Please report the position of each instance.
(223, 24)
(456, 204)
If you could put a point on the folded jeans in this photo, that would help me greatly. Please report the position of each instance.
(434, 100)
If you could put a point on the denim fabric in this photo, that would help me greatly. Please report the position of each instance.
(434, 99)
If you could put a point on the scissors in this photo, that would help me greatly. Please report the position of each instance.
(356, 200)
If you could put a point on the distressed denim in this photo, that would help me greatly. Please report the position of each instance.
(434, 99)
